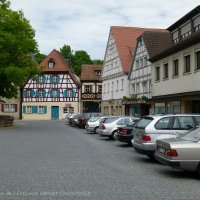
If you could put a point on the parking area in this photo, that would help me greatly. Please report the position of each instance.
(52, 160)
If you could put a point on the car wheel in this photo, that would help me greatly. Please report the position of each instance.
(95, 130)
(151, 156)
(112, 135)
(198, 170)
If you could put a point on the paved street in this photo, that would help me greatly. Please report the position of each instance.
(51, 160)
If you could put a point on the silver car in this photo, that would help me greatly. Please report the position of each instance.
(110, 127)
(153, 127)
(181, 152)
(93, 124)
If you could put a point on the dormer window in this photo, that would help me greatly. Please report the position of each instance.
(51, 63)
(98, 72)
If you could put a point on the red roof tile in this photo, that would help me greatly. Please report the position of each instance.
(61, 65)
(88, 72)
(126, 38)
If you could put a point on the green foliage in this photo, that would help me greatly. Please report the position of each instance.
(39, 57)
(17, 46)
(77, 59)
(67, 53)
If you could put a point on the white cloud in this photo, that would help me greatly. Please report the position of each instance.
(84, 25)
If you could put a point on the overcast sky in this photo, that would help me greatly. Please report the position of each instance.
(85, 24)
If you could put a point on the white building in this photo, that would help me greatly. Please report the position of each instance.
(148, 44)
(115, 85)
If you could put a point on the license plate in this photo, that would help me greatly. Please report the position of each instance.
(162, 150)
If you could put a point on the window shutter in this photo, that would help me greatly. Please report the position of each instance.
(44, 93)
(51, 93)
(37, 93)
(24, 93)
(24, 109)
(51, 79)
(65, 93)
(73, 93)
(58, 93)
(45, 109)
(58, 79)
(15, 107)
(44, 79)
(37, 79)
(32, 93)
(2, 107)
(34, 109)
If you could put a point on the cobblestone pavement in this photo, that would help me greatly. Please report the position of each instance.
(51, 160)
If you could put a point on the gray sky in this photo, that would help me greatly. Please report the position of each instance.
(85, 24)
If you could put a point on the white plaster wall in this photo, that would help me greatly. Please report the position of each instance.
(184, 82)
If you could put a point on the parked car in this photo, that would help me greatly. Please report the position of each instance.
(67, 117)
(84, 117)
(154, 127)
(110, 127)
(92, 124)
(70, 118)
(181, 152)
(74, 119)
(125, 134)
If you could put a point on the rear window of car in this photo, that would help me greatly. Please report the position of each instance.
(112, 119)
(163, 123)
(193, 135)
(144, 122)
(94, 119)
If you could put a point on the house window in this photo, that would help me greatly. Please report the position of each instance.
(40, 79)
(175, 67)
(54, 93)
(137, 88)
(133, 88)
(141, 62)
(12, 107)
(157, 74)
(28, 109)
(71, 109)
(41, 93)
(104, 88)
(54, 79)
(28, 93)
(165, 75)
(51, 63)
(40, 109)
(144, 84)
(100, 89)
(137, 64)
(145, 61)
(112, 86)
(88, 89)
(108, 88)
(117, 85)
(122, 84)
(98, 72)
(175, 36)
(197, 55)
(6, 108)
(187, 64)
(186, 30)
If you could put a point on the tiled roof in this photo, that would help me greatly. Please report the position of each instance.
(125, 38)
(187, 42)
(156, 42)
(61, 65)
(88, 72)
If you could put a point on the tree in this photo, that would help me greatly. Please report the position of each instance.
(67, 53)
(17, 47)
(39, 57)
(97, 62)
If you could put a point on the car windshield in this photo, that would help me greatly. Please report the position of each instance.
(144, 122)
(193, 135)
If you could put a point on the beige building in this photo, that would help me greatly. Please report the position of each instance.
(176, 71)
(54, 93)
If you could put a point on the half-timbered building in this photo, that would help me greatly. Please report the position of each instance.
(91, 88)
(53, 93)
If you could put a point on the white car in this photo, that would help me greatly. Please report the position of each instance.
(93, 124)
(110, 127)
